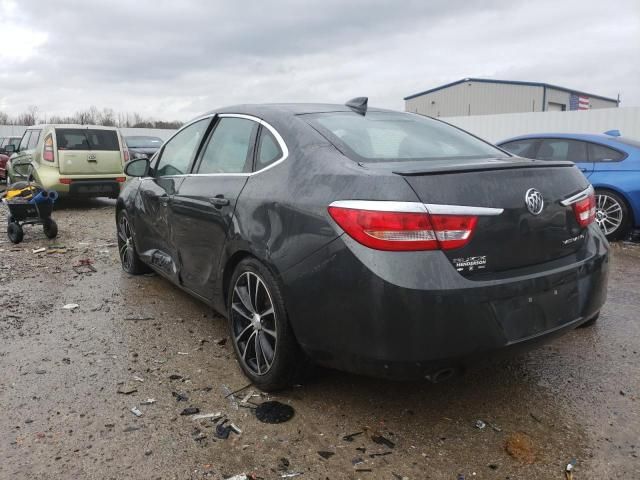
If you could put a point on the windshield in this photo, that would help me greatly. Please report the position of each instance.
(143, 142)
(86, 139)
(388, 136)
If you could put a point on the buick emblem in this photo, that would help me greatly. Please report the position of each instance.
(535, 202)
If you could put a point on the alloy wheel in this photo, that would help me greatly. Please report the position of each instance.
(253, 321)
(609, 213)
(125, 241)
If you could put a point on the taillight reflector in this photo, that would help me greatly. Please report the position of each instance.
(65, 181)
(585, 210)
(404, 231)
(121, 179)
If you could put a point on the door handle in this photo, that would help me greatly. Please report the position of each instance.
(219, 201)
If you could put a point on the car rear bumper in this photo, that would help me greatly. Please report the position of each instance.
(406, 315)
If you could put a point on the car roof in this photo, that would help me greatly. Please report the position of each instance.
(589, 137)
(70, 125)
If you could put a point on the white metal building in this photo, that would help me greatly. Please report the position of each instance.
(479, 96)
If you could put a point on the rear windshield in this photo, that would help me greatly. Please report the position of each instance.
(388, 136)
(86, 139)
(143, 142)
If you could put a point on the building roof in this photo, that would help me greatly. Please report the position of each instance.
(509, 82)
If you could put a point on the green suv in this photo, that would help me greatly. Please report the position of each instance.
(73, 160)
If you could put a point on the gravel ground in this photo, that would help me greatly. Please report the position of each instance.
(62, 374)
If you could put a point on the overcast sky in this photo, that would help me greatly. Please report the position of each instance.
(175, 59)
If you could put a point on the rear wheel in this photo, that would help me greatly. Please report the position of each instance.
(50, 228)
(15, 232)
(262, 337)
(129, 258)
(612, 214)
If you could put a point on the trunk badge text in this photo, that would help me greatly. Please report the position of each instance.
(535, 202)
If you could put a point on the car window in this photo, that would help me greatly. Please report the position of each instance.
(33, 140)
(14, 141)
(522, 148)
(562, 149)
(179, 152)
(230, 147)
(86, 139)
(390, 136)
(268, 150)
(600, 153)
(25, 140)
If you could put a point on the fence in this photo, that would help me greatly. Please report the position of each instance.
(500, 127)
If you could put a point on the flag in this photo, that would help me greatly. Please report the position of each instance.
(579, 102)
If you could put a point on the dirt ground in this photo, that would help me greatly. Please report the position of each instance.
(64, 416)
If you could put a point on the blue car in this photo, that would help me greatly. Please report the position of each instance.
(609, 161)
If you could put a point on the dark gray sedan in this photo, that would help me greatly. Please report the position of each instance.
(373, 241)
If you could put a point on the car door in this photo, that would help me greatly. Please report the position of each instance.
(566, 149)
(22, 155)
(154, 232)
(204, 204)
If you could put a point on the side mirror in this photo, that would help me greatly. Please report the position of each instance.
(9, 149)
(138, 167)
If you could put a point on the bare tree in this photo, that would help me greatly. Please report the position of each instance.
(107, 117)
(4, 118)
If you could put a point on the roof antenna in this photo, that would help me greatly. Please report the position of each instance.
(358, 105)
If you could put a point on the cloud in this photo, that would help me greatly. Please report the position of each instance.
(177, 59)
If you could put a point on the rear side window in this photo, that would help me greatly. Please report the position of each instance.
(230, 147)
(268, 150)
(33, 140)
(521, 148)
(389, 136)
(562, 149)
(86, 139)
(25, 140)
(600, 153)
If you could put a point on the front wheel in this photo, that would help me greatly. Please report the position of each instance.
(262, 337)
(129, 258)
(15, 232)
(612, 214)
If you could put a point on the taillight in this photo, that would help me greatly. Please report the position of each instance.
(585, 210)
(125, 153)
(404, 231)
(47, 153)
(121, 179)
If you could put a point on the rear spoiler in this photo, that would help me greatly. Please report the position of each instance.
(425, 169)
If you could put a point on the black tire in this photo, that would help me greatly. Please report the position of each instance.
(287, 364)
(612, 209)
(15, 232)
(50, 228)
(129, 258)
(592, 321)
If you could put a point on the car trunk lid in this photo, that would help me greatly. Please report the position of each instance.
(86, 151)
(516, 237)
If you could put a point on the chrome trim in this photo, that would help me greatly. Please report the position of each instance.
(268, 126)
(578, 196)
(462, 210)
(381, 206)
(416, 207)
